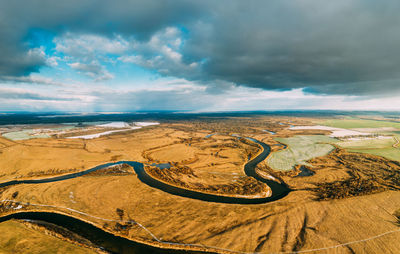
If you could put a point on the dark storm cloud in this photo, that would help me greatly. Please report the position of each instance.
(336, 47)
(329, 47)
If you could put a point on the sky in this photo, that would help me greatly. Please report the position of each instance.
(175, 55)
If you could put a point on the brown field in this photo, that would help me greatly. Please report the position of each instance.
(350, 205)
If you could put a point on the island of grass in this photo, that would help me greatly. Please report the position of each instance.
(299, 150)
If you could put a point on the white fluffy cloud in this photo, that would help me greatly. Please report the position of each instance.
(89, 45)
(162, 53)
(88, 53)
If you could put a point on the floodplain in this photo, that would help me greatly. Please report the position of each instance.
(349, 203)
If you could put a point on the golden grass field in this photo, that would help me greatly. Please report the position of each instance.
(19, 237)
(341, 222)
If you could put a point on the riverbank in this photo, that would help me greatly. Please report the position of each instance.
(105, 239)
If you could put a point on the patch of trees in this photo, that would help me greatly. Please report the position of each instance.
(15, 194)
(244, 186)
(367, 174)
(347, 188)
(397, 215)
(120, 213)
(228, 125)
(375, 168)
(120, 169)
(52, 171)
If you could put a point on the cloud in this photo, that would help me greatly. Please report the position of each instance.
(162, 53)
(93, 70)
(149, 100)
(178, 94)
(85, 52)
(219, 87)
(342, 47)
(31, 79)
(88, 46)
(24, 94)
(126, 17)
(381, 88)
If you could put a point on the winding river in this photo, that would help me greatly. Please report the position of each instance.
(279, 190)
(103, 239)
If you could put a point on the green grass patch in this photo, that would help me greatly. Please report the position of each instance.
(358, 123)
(300, 149)
(367, 143)
(388, 153)
(379, 147)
